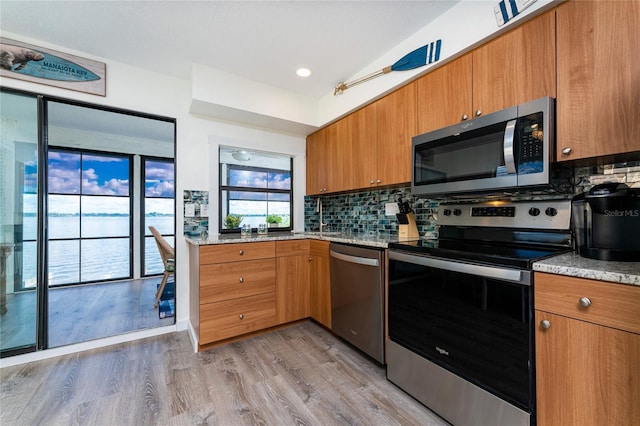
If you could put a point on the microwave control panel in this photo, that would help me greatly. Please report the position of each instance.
(531, 152)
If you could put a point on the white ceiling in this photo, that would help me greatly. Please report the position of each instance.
(265, 41)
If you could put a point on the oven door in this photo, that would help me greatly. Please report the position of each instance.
(473, 320)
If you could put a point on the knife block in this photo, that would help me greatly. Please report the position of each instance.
(408, 231)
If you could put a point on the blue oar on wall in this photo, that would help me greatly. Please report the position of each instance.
(422, 56)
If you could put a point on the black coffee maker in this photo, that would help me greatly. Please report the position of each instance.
(606, 222)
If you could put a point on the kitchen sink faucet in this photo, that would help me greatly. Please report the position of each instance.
(319, 209)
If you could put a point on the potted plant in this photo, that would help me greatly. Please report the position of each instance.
(233, 221)
(273, 220)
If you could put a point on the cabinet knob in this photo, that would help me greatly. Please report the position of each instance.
(585, 302)
(241, 252)
(379, 181)
(371, 182)
(545, 324)
(241, 316)
(310, 259)
(478, 113)
(464, 117)
(241, 279)
(566, 151)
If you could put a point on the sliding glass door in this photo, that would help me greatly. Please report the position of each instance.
(79, 186)
(18, 222)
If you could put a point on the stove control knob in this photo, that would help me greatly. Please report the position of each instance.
(551, 211)
(534, 211)
(446, 212)
(457, 212)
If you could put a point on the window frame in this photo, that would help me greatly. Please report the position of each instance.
(143, 198)
(229, 188)
(81, 152)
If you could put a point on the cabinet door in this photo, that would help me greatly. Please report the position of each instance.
(396, 125)
(444, 95)
(320, 283)
(586, 374)
(516, 67)
(318, 153)
(361, 152)
(598, 106)
(292, 288)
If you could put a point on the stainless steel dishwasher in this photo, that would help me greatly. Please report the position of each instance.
(357, 297)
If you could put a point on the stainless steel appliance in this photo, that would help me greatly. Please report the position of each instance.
(461, 309)
(606, 222)
(357, 297)
(505, 150)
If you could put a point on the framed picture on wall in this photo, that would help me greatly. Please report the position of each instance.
(35, 64)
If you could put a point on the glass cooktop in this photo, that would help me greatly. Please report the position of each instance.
(516, 255)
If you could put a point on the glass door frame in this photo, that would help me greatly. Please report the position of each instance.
(42, 297)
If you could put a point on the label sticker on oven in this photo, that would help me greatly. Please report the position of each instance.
(442, 351)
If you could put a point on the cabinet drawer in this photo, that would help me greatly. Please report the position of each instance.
(612, 305)
(222, 253)
(292, 247)
(222, 281)
(230, 318)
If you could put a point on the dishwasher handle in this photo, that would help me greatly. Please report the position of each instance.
(366, 261)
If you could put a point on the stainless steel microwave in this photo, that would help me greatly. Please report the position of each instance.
(499, 152)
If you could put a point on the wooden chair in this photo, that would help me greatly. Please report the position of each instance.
(168, 260)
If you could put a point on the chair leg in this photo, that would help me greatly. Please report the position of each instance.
(161, 288)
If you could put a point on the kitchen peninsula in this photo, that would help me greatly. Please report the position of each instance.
(240, 285)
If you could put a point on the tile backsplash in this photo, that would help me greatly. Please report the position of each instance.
(364, 212)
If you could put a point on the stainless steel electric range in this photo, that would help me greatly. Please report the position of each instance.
(461, 309)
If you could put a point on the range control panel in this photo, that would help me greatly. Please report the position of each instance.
(547, 214)
(502, 211)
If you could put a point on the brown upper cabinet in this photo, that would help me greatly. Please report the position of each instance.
(598, 106)
(516, 67)
(395, 128)
(368, 148)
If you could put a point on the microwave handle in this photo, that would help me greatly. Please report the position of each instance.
(507, 146)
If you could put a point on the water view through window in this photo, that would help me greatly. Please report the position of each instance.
(89, 217)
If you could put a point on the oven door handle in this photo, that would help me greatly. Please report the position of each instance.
(512, 275)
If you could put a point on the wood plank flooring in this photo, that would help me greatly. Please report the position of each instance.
(300, 375)
(82, 313)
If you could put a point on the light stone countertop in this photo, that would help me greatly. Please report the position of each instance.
(378, 241)
(574, 265)
(569, 264)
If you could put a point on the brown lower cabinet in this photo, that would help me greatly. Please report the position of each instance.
(320, 282)
(246, 287)
(587, 352)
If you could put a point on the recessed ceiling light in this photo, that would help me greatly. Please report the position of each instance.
(303, 72)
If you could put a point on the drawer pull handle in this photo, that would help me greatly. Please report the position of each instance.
(241, 316)
(241, 252)
(545, 324)
(584, 301)
(241, 279)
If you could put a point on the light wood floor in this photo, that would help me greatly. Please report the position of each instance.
(301, 375)
(81, 313)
